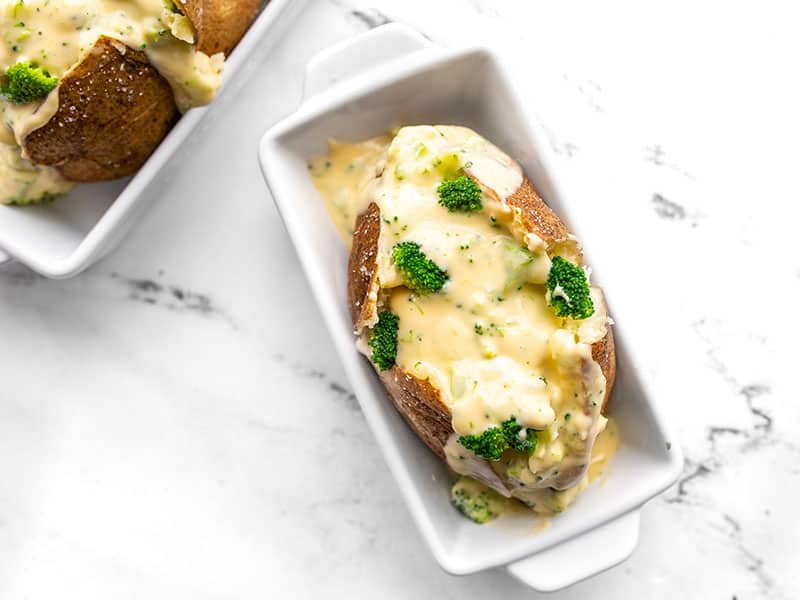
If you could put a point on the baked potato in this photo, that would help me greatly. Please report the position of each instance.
(91, 87)
(469, 296)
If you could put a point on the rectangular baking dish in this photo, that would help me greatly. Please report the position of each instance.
(362, 88)
(62, 239)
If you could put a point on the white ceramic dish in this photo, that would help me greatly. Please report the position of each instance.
(362, 88)
(62, 239)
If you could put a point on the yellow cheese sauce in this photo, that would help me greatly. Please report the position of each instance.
(488, 341)
(605, 447)
(56, 34)
(21, 180)
(548, 502)
(343, 177)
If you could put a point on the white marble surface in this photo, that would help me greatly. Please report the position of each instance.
(174, 423)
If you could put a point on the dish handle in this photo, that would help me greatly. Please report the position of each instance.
(581, 557)
(370, 50)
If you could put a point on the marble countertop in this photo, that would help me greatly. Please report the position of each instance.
(175, 424)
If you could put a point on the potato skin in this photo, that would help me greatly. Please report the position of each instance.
(114, 110)
(421, 406)
(219, 24)
(418, 401)
(533, 215)
(362, 267)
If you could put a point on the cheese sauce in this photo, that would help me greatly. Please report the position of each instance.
(56, 34)
(488, 340)
(547, 502)
(20, 179)
(343, 178)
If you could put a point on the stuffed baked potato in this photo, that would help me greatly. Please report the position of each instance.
(91, 87)
(468, 294)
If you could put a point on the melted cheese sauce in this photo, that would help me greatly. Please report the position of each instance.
(57, 34)
(548, 502)
(605, 447)
(22, 181)
(487, 341)
(344, 177)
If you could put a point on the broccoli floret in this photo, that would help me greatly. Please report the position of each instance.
(27, 83)
(383, 340)
(460, 195)
(477, 502)
(569, 290)
(421, 274)
(511, 430)
(489, 444)
(495, 440)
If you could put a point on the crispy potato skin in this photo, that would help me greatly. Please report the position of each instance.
(362, 266)
(421, 406)
(532, 215)
(604, 354)
(535, 216)
(114, 110)
(418, 401)
(219, 24)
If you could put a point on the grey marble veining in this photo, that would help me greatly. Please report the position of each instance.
(174, 422)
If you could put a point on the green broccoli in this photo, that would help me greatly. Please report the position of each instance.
(495, 440)
(477, 502)
(569, 290)
(460, 195)
(489, 444)
(422, 275)
(511, 430)
(383, 340)
(27, 83)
